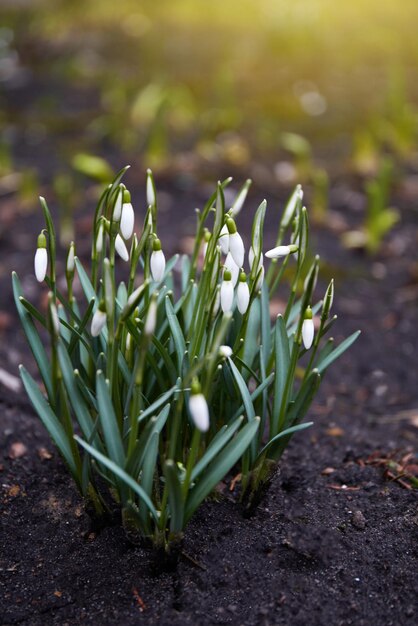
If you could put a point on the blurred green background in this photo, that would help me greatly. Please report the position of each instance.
(187, 84)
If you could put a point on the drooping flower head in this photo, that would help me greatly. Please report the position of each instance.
(128, 216)
(157, 261)
(41, 259)
(308, 329)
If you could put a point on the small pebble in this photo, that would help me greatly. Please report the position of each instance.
(358, 520)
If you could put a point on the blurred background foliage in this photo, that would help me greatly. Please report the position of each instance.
(187, 83)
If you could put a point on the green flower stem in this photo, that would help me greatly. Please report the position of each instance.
(191, 461)
(51, 245)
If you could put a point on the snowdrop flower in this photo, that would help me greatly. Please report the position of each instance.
(151, 321)
(224, 239)
(232, 267)
(70, 259)
(41, 259)
(280, 251)
(117, 209)
(243, 294)
(121, 249)
(157, 261)
(236, 245)
(227, 292)
(99, 320)
(308, 329)
(151, 199)
(99, 238)
(198, 408)
(225, 351)
(128, 217)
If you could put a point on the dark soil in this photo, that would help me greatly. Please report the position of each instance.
(334, 542)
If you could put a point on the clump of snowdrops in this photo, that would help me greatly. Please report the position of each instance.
(156, 388)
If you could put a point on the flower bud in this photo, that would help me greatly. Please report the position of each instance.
(225, 351)
(308, 329)
(224, 239)
(41, 259)
(128, 216)
(99, 320)
(117, 209)
(157, 261)
(70, 259)
(227, 292)
(151, 321)
(100, 238)
(236, 245)
(243, 294)
(151, 200)
(232, 267)
(121, 249)
(281, 251)
(199, 411)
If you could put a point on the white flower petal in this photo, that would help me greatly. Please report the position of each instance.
(98, 322)
(199, 411)
(117, 209)
(224, 239)
(157, 263)
(278, 252)
(41, 264)
(70, 259)
(307, 333)
(151, 320)
(121, 249)
(99, 240)
(150, 190)
(243, 297)
(236, 247)
(225, 351)
(233, 268)
(127, 220)
(227, 296)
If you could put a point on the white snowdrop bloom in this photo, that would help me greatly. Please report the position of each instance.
(151, 199)
(236, 245)
(224, 239)
(232, 267)
(227, 292)
(225, 351)
(117, 209)
(243, 294)
(128, 216)
(41, 259)
(70, 258)
(99, 238)
(157, 261)
(281, 251)
(199, 411)
(308, 329)
(121, 249)
(151, 321)
(99, 320)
